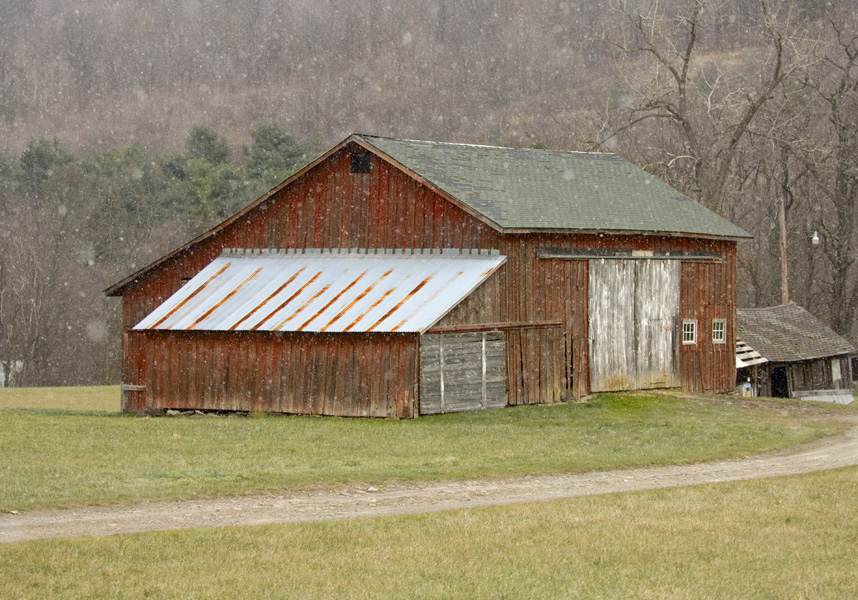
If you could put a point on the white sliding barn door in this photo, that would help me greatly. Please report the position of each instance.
(612, 330)
(633, 311)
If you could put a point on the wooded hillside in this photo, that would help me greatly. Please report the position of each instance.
(742, 104)
(103, 73)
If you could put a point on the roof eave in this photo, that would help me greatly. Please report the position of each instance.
(781, 359)
(677, 234)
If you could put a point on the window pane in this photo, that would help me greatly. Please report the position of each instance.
(719, 331)
(689, 331)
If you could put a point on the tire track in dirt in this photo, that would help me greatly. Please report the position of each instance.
(414, 498)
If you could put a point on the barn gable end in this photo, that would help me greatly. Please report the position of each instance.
(324, 206)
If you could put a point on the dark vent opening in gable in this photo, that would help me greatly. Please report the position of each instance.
(361, 162)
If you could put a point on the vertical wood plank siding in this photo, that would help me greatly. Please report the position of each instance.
(460, 372)
(355, 375)
(633, 313)
(330, 207)
(707, 292)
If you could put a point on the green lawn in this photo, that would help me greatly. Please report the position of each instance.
(793, 537)
(57, 456)
(104, 397)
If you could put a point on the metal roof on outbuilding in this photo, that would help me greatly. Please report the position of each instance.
(788, 333)
(324, 291)
(534, 189)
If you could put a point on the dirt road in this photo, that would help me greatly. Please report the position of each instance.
(412, 498)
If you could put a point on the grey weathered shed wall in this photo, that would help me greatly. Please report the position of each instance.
(462, 371)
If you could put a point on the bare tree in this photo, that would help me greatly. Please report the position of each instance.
(832, 160)
(23, 298)
(13, 14)
(698, 103)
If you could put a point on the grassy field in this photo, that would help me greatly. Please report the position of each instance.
(62, 456)
(104, 398)
(790, 537)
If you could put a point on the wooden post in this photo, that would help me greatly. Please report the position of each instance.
(784, 283)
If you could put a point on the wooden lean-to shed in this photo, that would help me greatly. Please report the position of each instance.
(393, 278)
(797, 356)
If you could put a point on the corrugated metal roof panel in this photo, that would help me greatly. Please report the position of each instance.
(324, 291)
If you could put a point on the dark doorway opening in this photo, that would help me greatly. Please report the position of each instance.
(780, 385)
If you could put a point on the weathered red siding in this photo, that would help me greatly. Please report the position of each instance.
(549, 297)
(540, 303)
(707, 292)
(328, 207)
(359, 375)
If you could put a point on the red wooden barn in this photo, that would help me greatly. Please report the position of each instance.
(392, 278)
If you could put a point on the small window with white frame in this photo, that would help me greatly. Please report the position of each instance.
(719, 331)
(689, 332)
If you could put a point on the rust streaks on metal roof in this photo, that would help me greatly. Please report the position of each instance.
(357, 299)
(285, 303)
(217, 305)
(331, 301)
(367, 311)
(429, 300)
(302, 307)
(268, 299)
(190, 296)
(325, 291)
(410, 295)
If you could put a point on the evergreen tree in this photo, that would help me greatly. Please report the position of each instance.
(204, 143)
(274, 154)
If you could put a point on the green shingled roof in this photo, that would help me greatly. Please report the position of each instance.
(548, 190)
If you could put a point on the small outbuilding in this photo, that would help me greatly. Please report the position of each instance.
(785, 352)
(393, 278)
